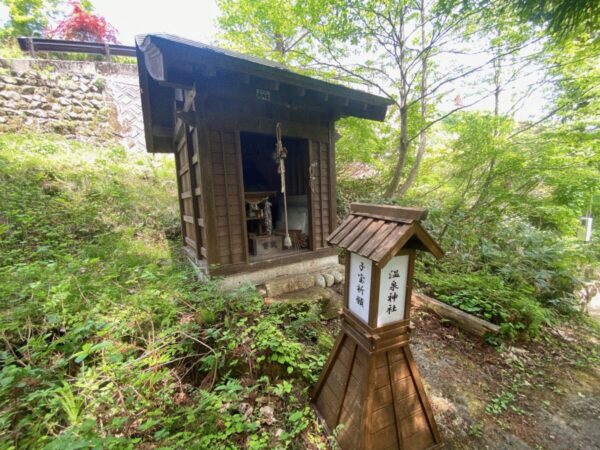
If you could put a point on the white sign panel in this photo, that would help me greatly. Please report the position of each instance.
(360, 286)
(392, 291)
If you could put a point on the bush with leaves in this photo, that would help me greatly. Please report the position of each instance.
(106, 338)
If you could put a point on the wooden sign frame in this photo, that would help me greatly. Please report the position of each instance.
(375, 285)
(370, 384)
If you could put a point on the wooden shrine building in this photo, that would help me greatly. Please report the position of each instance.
(218, 111)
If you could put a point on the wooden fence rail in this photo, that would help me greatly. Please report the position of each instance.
(33, 45)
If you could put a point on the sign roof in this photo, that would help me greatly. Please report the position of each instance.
(378, 232)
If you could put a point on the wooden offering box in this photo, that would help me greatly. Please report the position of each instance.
(266, 245)
(370, 383)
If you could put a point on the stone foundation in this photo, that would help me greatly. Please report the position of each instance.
(286, 277)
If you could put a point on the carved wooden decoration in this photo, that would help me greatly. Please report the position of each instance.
(370, 392)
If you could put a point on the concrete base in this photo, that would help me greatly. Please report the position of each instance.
(260, 277)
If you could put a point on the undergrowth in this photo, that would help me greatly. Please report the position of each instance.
(510, 273)
(106, 339)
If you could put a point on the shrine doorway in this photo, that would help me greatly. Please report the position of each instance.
(265, 215)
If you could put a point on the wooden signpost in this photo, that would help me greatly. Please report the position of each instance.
(370, 391)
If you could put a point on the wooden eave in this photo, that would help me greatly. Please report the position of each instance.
(169, 62)
(378, 232)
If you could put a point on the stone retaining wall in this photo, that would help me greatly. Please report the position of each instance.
(81, 99)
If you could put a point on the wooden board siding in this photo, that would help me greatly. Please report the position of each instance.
(191, 201)
(196, 219)
(377, 397)
(322, 195)
(184, 184)
(354, 399)
(227, 186)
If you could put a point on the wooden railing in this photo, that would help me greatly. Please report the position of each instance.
(33, 45)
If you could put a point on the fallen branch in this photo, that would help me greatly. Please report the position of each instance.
(463, 320)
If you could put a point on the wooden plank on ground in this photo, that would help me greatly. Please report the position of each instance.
(463, 320)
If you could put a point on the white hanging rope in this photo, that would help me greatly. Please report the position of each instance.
(281, 153)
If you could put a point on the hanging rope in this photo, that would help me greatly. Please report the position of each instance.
(280, 155)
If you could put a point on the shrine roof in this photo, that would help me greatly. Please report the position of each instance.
(169, 64)
(378, 232)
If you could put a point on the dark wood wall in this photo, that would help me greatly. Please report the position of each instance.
(228, 196)
(322, 192)
(209, 167)
(191, 201)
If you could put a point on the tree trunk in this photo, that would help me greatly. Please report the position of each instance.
(483, 190)
(403, 98)
(414, 170)
(402, 152)
(412, 175)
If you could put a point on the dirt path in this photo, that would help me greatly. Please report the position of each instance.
(545, 395)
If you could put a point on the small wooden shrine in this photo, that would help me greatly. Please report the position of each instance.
(370, 384)
(254, 146)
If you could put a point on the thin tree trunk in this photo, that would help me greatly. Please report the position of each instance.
(412, 175)
(483, 190)
(498, 87)
(455, 209)
(402, 152)
(403, 97)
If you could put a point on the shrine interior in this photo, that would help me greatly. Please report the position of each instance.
(262, 190)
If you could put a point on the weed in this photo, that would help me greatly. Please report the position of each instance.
(107, 340)
(500, 403)
(476, 430)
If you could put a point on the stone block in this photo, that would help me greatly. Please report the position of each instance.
(9, 80)
(333, 306)
(329, 280)
(10, 95)
(328, 302)
(282, 285)
(338, 276)
(319, 281)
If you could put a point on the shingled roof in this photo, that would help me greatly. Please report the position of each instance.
(167, 63)
(377, 232)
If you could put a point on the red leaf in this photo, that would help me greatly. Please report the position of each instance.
(84, 26)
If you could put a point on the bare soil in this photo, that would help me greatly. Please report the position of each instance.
(540, 395)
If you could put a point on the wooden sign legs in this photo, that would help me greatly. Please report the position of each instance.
(370, 393)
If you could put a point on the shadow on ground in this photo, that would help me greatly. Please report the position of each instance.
(541, 395)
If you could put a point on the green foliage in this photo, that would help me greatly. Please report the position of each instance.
(562, 18)
(500, 403)
(277, 28)
(107, 340)
(28, 17)
(489, 297)
(361, 140)
(506, 212)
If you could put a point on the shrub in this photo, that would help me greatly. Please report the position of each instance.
(107, 340)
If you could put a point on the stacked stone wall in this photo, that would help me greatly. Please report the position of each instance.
(84, 100)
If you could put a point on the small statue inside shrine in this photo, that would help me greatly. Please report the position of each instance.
(268, 218)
